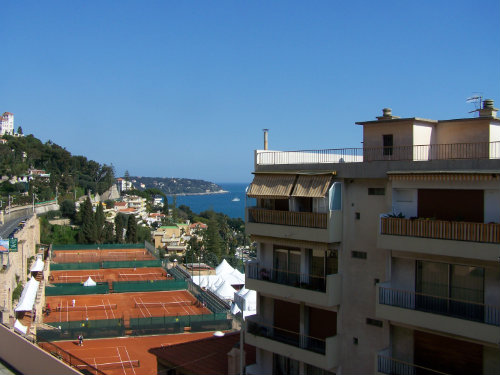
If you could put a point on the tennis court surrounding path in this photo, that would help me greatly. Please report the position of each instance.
(100, 255)
(118, 305)
(125, 355)
(110, 274)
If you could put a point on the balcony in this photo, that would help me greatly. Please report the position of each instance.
(307, 226)
(392, 366)
(315, 290)
(480, 150)
(463, 318)
(439, 237)
(322, 353)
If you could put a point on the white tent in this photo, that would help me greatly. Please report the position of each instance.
(37, 266)
(238, 275)
(89, 282)
(250, 300)
(234, 308)
(20, 327)
(28, 296)
(225, 291)
(223, 268)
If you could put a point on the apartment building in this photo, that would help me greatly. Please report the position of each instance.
(384, 259)
(7, 123)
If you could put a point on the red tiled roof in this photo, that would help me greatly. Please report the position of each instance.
(127, 210)
(120, 204)
(206, 356)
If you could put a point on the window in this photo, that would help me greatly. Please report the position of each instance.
(451, 289)
(388, 143)
(376, 191)
(359, 254)
(374, 322)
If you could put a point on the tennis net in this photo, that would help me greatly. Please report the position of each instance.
(76, 278)
(164, 304)
(87, 307)
(142, 275)
(115, 365)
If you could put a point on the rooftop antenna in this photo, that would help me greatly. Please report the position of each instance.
(477, 99)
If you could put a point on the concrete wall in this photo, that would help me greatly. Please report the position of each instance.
(492, 286)
(402, 132)
(463, 131)
(403, 274)
(405, 201)
(402, 343)
(358, 276)
(28, 238)
(28, 358)
(492, 206)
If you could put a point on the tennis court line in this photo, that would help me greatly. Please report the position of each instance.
(140, 308)
(105, 312)
(177, 299)
(145, 307)
(119, 356)
(129, 360)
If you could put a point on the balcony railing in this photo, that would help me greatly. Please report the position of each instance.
(439, 229)
(392, 366)
(295, 219)
(480, 150)
(456, 308)
(284, 277)
(296, 339)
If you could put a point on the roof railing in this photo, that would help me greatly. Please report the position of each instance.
(452, 151)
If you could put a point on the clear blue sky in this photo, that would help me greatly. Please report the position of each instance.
(184, 88)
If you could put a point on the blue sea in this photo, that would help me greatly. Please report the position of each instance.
(218, 202)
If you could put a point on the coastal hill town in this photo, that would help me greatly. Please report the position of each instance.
(120, 281)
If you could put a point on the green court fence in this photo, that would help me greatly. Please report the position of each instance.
(105, 246)
(178, 273)
(75, 266)
(66, 289)
(214, 303)
(148, 286)
(105, 264)
(87, 328)
(176, 324)
(152, 250)
(131, 263)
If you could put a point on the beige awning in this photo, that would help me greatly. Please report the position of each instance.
(290, 243)
(271, 186)
(313, 186)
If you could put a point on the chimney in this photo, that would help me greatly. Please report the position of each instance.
(386, 115)
(265, 138)
(488, 109)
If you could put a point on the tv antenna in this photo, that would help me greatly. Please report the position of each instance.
(477, 99)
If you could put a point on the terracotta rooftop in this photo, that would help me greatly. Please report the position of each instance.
(206, 356)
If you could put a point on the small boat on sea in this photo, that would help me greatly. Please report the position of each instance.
(235, 199)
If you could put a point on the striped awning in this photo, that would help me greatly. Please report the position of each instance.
(290, 243)
(445, 177)
(271, 186)
(313, 186)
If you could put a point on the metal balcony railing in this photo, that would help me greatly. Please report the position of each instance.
(284, 277)
(478, 150)
(440, 229)
(456, 308)
(295, 219)
(392, 366)
(287, 337)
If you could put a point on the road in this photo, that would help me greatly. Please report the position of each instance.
(11, 224)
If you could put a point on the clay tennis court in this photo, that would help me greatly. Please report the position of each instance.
(125, 355)
(100, 255)
(126, 305)
(109, 274)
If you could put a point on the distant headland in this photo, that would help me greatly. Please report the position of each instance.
(177, 186)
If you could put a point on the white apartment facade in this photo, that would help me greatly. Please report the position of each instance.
(7, 123)
(384, 259)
